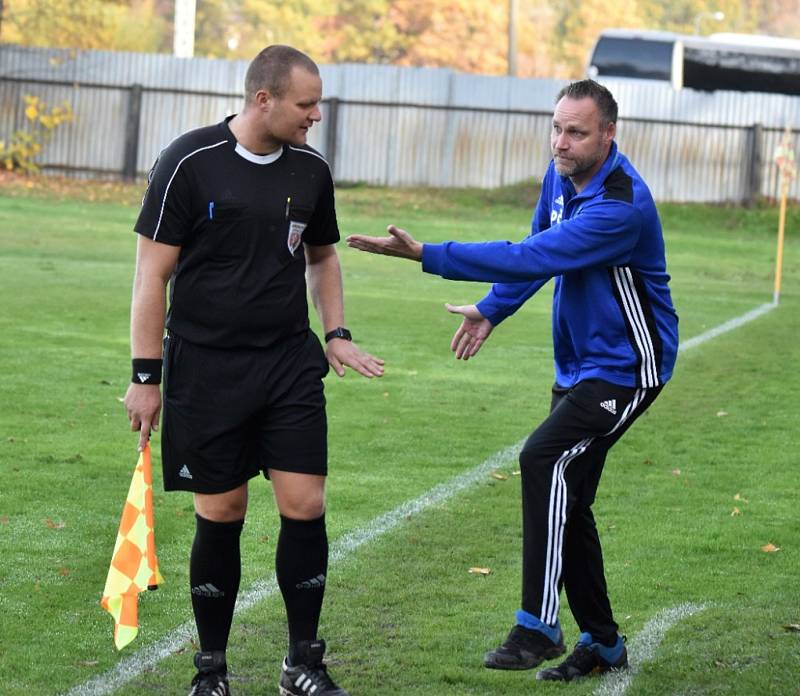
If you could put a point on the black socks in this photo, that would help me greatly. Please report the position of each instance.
(214, 574)
(301, 564)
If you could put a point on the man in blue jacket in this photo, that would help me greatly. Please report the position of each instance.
(596, 231)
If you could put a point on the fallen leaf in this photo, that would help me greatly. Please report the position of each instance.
(480, 571)
(792, 628)
(89, 663)
(53, 524)
(3, 519)
(516, 473)
(63, 572)
(499, 476)
(740, 499)
(648, 462)
(736, 512)
(770, 548)
(676, 472)
(720, 414)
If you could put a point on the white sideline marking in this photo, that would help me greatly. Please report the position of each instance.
(130, 667)
(729, 325)
(643, 648)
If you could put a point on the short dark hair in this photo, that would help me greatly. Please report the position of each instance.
(596, 92)
(271, 69)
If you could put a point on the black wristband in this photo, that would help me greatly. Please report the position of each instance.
(338, 332)
(146, 371)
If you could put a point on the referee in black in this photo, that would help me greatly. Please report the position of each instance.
(235, 218)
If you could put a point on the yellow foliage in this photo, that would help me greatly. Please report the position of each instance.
(24, 145)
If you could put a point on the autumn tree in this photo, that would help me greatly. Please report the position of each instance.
(553, 39)
(84, 24)
(241, 28)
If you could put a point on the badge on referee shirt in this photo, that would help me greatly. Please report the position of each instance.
(296, 230)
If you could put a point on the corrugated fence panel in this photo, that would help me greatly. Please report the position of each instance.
(478, 149)
(527, 147)
(365, 133)
(95, 140)
(403, 126)
(420, 148)
(679, 160)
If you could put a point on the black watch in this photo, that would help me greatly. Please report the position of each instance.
(338, 332)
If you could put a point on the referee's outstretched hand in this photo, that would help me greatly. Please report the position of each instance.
(341, 353)
(143, 404)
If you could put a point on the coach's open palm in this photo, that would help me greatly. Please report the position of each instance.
(474, 330)
(399, 243)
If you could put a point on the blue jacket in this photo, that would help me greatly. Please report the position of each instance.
(613, 317)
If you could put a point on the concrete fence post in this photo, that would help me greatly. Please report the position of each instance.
(132, 126)
(332, 134)
(753, 163)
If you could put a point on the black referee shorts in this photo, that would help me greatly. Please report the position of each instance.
(230, 413)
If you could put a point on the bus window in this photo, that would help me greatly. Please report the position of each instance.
(740, 70)
(632, 57)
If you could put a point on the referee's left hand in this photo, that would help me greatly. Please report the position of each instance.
(341, 353)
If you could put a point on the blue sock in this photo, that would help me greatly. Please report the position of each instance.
(609, 654)
(527, 620)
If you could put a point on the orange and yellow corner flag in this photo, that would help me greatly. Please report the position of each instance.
(134, 566)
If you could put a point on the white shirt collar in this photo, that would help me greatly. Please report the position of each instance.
(258, 159)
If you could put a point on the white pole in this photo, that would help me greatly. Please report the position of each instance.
(513, 11)
(183, 39)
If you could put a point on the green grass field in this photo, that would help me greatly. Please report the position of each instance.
(403, 616)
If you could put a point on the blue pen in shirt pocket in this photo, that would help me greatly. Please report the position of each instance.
(211, 210)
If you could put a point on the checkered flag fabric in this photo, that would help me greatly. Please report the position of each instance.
(134, 566)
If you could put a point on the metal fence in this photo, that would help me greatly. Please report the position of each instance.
(398, 126)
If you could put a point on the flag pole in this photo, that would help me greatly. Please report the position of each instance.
(787, 170)
(776, 295)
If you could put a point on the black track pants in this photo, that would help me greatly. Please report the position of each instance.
(561, 464)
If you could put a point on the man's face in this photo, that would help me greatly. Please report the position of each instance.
(289, 117)
(577, 141)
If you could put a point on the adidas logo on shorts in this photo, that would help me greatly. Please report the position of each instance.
(610, 406)
(184, 472)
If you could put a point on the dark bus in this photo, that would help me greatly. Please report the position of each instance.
(736, 62)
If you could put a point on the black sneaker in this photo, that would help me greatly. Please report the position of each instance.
(212, 675)
(524, 649)
(583, 661)
(310, 676)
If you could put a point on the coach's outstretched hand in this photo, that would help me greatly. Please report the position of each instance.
(399, 243)
(474, 330)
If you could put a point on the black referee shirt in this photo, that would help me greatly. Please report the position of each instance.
(241, 221)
